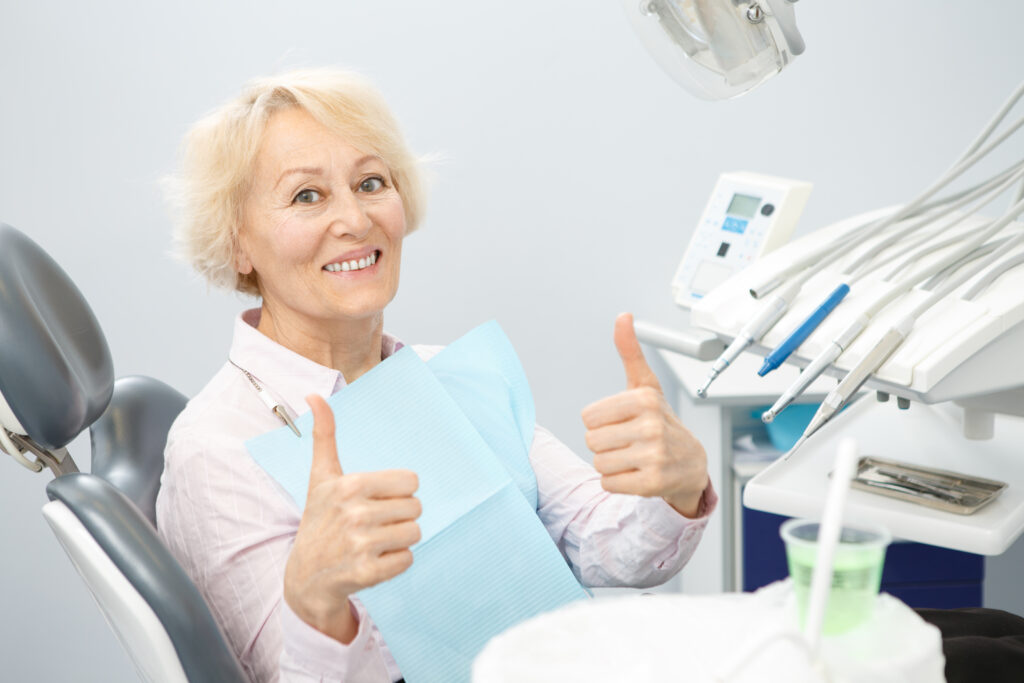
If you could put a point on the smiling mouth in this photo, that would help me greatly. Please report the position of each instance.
(354, 264)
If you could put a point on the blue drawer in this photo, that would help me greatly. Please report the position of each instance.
(764, 556)
(916, 563)
(920, 575)
(938, 595)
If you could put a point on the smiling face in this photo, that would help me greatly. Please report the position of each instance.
(322, 226)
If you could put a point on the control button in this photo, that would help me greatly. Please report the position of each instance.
(767, 209)
(736, 225)
(723, 248)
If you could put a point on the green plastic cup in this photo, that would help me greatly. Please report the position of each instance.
(856, 571)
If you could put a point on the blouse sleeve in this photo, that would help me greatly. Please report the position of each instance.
(610, 539)
(225, 521)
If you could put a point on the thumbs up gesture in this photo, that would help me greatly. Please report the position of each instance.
(640, 447)
(355, 532)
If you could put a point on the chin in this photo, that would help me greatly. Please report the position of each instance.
(360, 311)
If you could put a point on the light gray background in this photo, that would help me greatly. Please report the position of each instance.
(572, 173)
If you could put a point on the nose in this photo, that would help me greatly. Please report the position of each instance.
(349, 216)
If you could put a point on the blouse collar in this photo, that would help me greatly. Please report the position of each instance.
(286, 374)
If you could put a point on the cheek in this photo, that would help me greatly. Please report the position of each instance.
(290, 240)
(392, 219)
(396, 232)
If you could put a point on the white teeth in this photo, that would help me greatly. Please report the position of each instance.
(352, 265)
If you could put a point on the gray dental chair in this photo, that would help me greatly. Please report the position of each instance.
(56, 380)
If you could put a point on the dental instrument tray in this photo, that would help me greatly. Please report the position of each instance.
(940, 489)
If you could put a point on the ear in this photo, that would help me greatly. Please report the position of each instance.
(243, 264)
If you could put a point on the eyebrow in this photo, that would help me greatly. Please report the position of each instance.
(305, 170)
(316, 170)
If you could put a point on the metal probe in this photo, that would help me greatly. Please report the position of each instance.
(769, 314)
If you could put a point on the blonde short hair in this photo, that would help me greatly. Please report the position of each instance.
(220, 150)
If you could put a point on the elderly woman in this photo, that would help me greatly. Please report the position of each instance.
(301, 192)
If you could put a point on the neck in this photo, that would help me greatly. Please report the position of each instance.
(352, 347)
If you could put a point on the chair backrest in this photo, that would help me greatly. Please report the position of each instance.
(56, 379)
(128, 439)
(56, 375)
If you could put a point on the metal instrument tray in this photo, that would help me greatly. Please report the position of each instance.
(940, 489)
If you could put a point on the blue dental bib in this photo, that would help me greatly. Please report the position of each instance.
(464, 422)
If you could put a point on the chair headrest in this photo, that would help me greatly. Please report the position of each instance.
(56, 374)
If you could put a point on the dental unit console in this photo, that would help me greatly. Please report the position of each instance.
(960, 349)
(959, 364)
(923, 302)
(747, 216)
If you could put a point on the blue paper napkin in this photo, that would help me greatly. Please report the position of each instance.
(464, 423)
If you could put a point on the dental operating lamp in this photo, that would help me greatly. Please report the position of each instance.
(718, 49)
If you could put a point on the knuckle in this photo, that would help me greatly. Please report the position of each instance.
(649, 398)
(651, 428)
(357, 514)
(659, 455)
(348, 486)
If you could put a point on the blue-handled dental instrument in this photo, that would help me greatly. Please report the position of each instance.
(781, 352)
(768, 314)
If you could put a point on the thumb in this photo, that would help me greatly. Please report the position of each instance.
(325, 450)
(638, 373)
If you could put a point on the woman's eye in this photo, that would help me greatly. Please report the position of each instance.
(371, 184)
(307, 197)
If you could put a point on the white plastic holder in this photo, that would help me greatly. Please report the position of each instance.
(927, 435)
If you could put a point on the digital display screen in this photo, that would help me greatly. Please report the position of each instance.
(743, 205)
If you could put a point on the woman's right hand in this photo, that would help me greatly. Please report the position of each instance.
(355, 532)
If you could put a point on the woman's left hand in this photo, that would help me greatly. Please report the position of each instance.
(640, 446)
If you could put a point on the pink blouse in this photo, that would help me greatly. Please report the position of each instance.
(232, 526)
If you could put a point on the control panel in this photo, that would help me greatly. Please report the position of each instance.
(747, 215)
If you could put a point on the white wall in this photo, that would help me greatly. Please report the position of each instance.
(573, 171)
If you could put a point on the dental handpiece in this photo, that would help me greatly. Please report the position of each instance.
(742, 341)
(817, 367)
(896, 334)
(855, 379)
(842, 342)
(770, 312)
